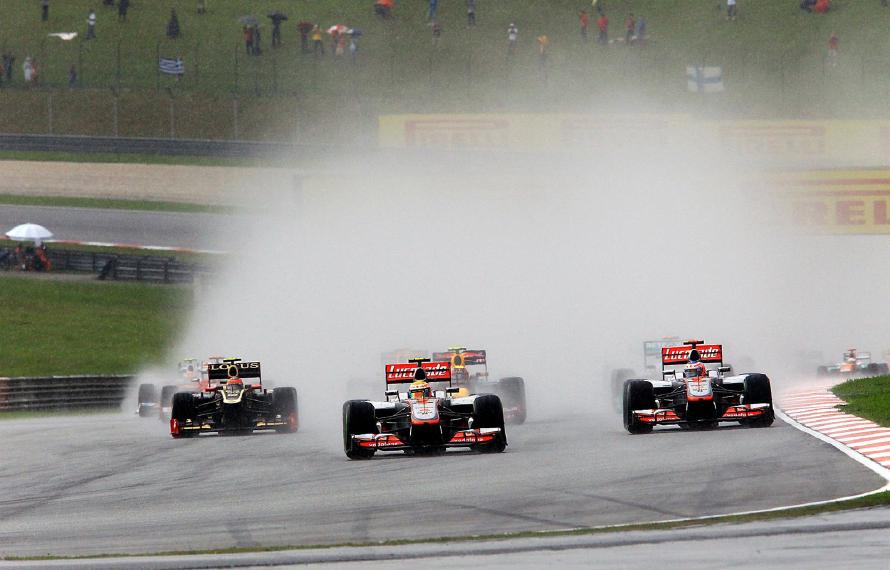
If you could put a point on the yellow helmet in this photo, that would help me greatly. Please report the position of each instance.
(419, 390)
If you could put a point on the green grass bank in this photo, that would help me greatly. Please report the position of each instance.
(59, 327)
(867, 398)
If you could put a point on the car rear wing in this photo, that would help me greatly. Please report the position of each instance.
(403, 373)
(708, 354)
(464, 358)
(227, 370)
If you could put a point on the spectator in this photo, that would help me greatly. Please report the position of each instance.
(122, 7)
(585, 23)
(641, 31)
(44, 10)
(341, 45)
(277, 18)
(41, 258)
(72, 77)
(833, 43)
(201, 8)
(807, 5)
(91, 25)
(730, 9)
(822, 6)
(248, 39)
(383, 8)
(173, 25)
(28, 70)
(257, 50)
(597, 5)
(353, 48)
(317, 43)
(433, 11)
(512, 35)
(629, 26)
(304, 27)
(437, 33)
(8, 63)
(543, 44)
(471, 12)
(602, 23)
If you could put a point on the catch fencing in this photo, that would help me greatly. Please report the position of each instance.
(63, 392)
(117, 267)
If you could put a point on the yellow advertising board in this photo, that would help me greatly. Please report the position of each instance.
(840, 201)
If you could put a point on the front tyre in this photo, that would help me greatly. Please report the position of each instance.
(638, 395)
(284, 403)
(757, 390)
(489, 413)
(358, 418)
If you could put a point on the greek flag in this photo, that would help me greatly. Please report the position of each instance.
(172, 66)
(704, 79)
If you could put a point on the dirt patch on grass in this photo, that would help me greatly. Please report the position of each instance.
(212, 185)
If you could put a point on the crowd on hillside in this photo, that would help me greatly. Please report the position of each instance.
(342, 39)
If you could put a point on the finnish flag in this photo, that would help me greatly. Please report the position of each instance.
(172, 66)
(701, 79)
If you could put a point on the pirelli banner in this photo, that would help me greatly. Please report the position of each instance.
(780, 143)
(839, 201)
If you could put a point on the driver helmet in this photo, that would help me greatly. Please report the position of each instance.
(694, 370)
(420, 390)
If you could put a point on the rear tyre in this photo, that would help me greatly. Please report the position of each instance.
(638, 395)
(148, 394)
(358, 418)
(513, 392)
(183, 410)
(757, 390)
(822, 371)
(488, 412)
(284, 402)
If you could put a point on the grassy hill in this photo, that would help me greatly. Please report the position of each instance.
(772, 56)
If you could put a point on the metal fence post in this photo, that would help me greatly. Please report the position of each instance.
(172, 117)
(118, 76)
(49, 113)
(114, 114)
(235, 117)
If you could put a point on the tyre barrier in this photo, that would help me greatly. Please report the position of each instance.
(63, 392)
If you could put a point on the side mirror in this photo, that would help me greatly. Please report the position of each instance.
(452, 390)
(724, 369)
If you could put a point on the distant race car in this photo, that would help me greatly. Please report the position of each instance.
(234, 402)
(424, 418)
(153, 402)
(469, 370)
(692, 395)
(855, 364)
(651, 367)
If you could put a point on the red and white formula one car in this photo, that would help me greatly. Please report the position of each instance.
(423, 418)
(692, 394)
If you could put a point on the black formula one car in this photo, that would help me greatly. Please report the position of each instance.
(692, 395)
(234, 402)
(469, 369)
(425, 418)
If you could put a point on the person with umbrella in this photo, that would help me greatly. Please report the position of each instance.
(249, 26)
(276, 17)
(317, 44)
(383, 8)
(26, 257)
(304, 27)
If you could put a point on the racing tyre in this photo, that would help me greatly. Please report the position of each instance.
(489, 413)
(183, 409)
(166, 401)
(638, 395)
(758, 391)
(513, 392)
(284, 402)
(822, 371)
(148, 394)
(358, 417)
(883, 369)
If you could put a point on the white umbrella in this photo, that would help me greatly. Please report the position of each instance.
(29, 232)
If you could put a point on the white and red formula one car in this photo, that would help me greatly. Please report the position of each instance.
(425, 417)
(695, 392)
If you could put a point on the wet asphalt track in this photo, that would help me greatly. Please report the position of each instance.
(169, 229)
(118, 484)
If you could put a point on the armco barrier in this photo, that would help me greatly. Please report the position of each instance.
(62, 392)
(118, 267)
